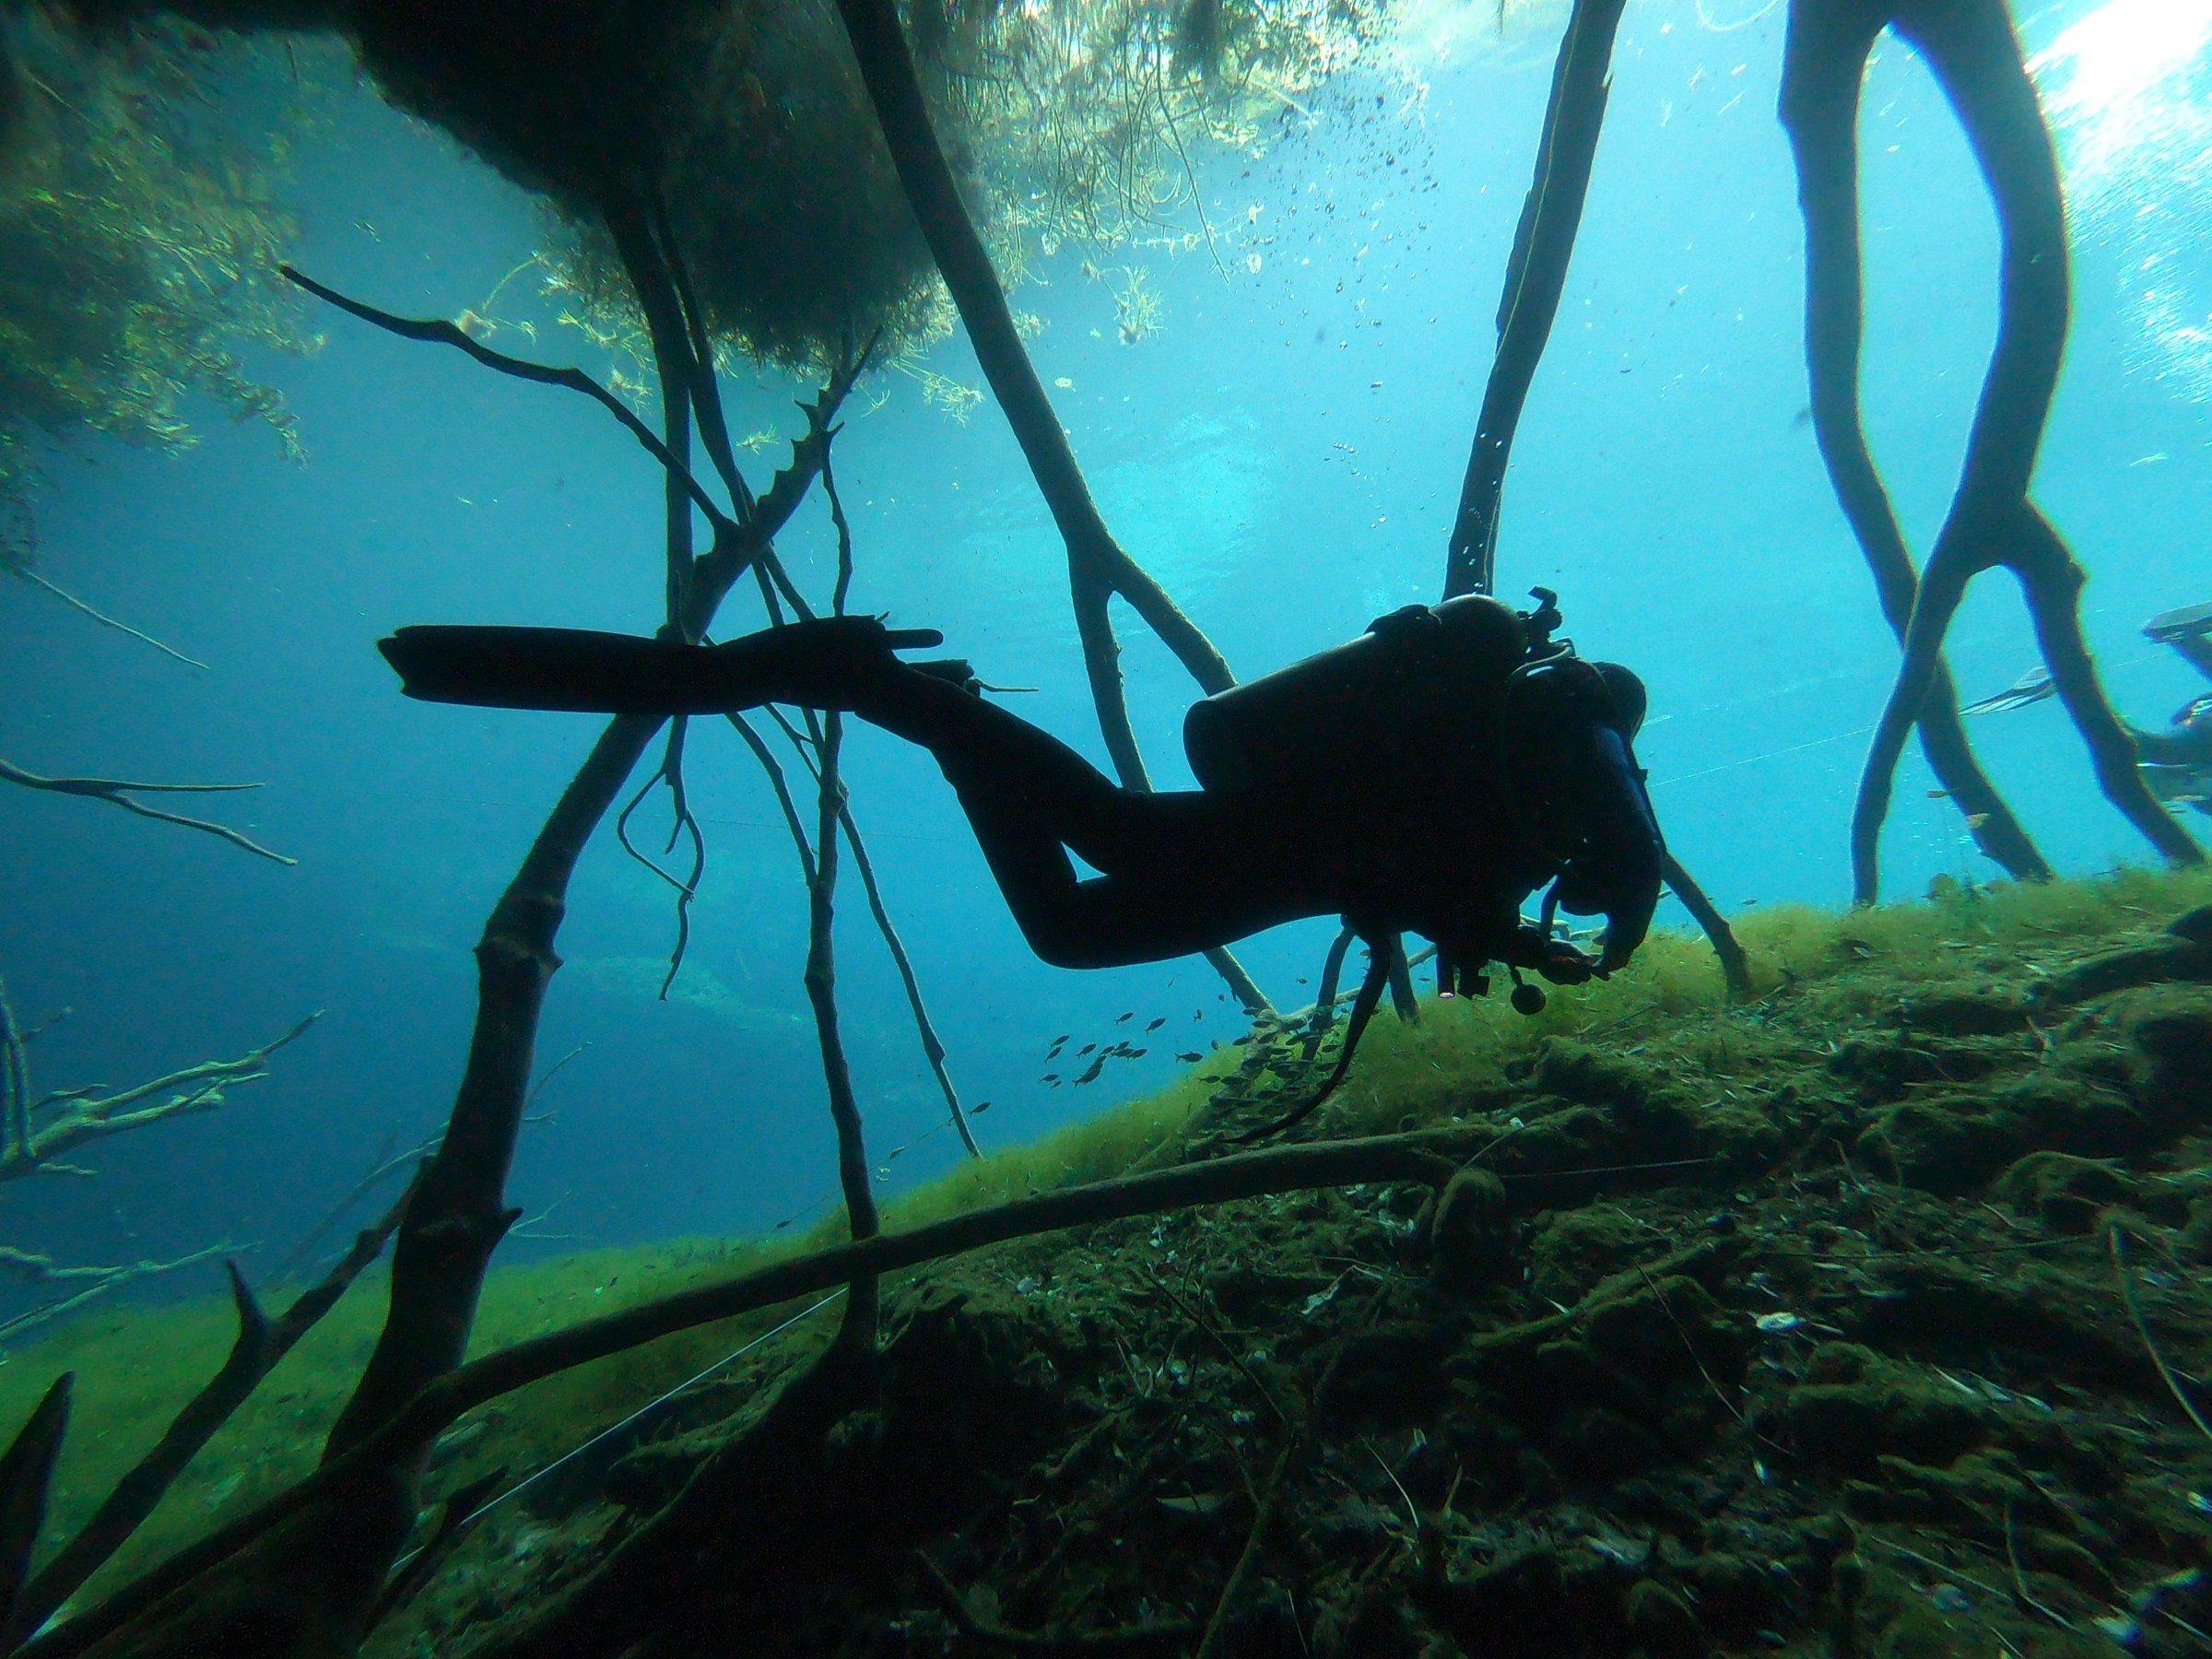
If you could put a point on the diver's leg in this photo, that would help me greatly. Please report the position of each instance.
(1185, 880)
(1181, 871)
(1032, 785)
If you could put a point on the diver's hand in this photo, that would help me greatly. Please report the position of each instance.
(1556, 959)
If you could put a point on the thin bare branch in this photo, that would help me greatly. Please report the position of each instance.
(671, 772)
(90, 1117)
(781, 785)
(118, 791)
(100, 617)
(737, 551)
(933, 1046)
(93, 1281)
(438, 331)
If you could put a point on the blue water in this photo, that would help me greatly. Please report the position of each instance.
(1285, 453)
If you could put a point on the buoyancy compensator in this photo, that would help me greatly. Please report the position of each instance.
(1419, 691)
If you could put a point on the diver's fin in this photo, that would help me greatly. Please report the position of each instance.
(622, 674)
(2033, 686)
(549, 668)
(2192, 621)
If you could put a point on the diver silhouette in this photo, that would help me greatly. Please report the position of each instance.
(1424, 778)
(2177, 762)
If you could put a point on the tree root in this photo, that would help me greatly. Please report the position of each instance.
(119, 792)
(215, 1560)
(1971, 47)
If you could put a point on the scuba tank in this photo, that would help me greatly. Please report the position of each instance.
(1374, 707)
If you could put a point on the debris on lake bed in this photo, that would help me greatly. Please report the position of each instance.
(1865, 1316)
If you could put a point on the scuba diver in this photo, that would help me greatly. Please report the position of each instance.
(1424, 778)
(2176, 763)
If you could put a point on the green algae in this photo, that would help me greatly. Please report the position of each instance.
(1785, 1325)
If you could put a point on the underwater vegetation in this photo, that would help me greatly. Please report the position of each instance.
(140, 225)
(1842, 1319)
(707, 123)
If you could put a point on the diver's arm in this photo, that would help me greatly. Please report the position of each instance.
(1502, 936)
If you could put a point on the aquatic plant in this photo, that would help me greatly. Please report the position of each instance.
(1781, 1073)
(1072, 123)
(139, 234)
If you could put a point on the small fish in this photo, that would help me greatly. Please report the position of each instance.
(1049, 1077)
(1130, 1054)
(1061, 1039)
(1192, 1058)
(978, 1106)
(1090, 1076)
(1125, 1019)
(1085, 1049)
(1157, 1023)
(1197, 1013)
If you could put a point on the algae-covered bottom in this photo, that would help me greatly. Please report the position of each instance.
(1862, 1317)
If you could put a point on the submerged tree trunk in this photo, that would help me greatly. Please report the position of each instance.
(1099, 568)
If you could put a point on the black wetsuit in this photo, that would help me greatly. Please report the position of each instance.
(2177, 762)
(1514, 770)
